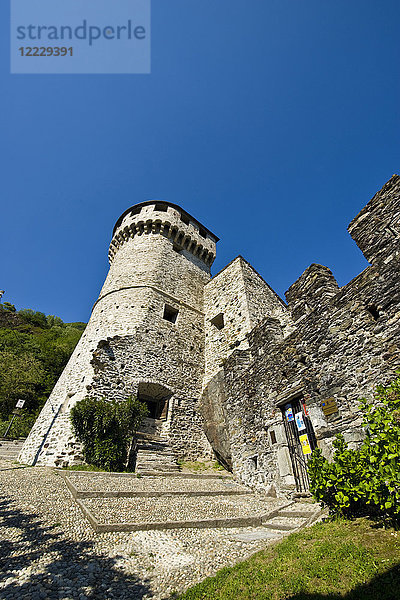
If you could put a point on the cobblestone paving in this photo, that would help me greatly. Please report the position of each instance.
(49, 551)
(95, 482)
(144, 510)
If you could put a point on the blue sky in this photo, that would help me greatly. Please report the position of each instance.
(273, 122)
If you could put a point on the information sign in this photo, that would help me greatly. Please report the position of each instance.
(289, 413)
(305, 444)
(299, 421)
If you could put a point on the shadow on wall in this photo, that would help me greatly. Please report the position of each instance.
(382, 587)
(68, 567)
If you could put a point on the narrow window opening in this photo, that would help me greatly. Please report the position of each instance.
(373, 311)
(272, 436)
(254, 462)
(161, 207)
(170, 313)
(218, 321)
(185, 219)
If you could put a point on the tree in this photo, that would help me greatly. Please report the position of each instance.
(19, 376)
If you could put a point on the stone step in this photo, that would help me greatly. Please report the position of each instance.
(147, 465)
(153, 447)
(295, 513)
(12, 443)
(10, 449)
(151, 437)
(281, 524)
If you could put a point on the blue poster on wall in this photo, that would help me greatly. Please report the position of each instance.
(289, 413)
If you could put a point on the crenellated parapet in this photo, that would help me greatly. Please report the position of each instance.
(169, 221)
(313, 290)
(376, 228)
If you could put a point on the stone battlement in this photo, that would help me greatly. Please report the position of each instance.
(161, 218)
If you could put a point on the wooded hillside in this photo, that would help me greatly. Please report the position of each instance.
(34, 349)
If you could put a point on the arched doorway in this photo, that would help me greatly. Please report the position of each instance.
(156, 397)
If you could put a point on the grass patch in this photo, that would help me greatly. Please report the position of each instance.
(340, 560)
(84, 468)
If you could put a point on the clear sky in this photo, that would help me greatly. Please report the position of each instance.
(273, 122)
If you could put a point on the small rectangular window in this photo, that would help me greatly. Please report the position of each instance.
(273, 436)
(218, 321)
(161, 207)
(170, 313)
(185, 219)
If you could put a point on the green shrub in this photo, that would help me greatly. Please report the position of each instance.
(365, 481)
(106, 429)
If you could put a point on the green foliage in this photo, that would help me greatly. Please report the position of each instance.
(106, 429)
(7, 307)
(21, 425)
(365, 481)
(34, 350)
(34, 317)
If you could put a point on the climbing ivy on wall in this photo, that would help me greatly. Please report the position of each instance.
(365, 481)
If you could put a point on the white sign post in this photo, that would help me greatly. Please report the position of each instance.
(20, 404)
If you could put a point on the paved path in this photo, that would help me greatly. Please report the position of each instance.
(50, 551)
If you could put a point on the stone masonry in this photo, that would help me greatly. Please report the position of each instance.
(340, 343)
(145, 335)
(222, 360)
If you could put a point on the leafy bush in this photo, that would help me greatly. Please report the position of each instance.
(365, 481)
(106, 429)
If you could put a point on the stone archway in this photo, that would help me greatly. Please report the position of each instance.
(156, 397)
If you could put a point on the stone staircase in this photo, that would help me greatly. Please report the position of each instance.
(9, 449)
(154, 455)
(292, 517)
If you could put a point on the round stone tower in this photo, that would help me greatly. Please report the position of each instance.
(145, 336)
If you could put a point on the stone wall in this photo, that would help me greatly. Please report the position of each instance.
(243, 298)
(235, 300)
(345, 342)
